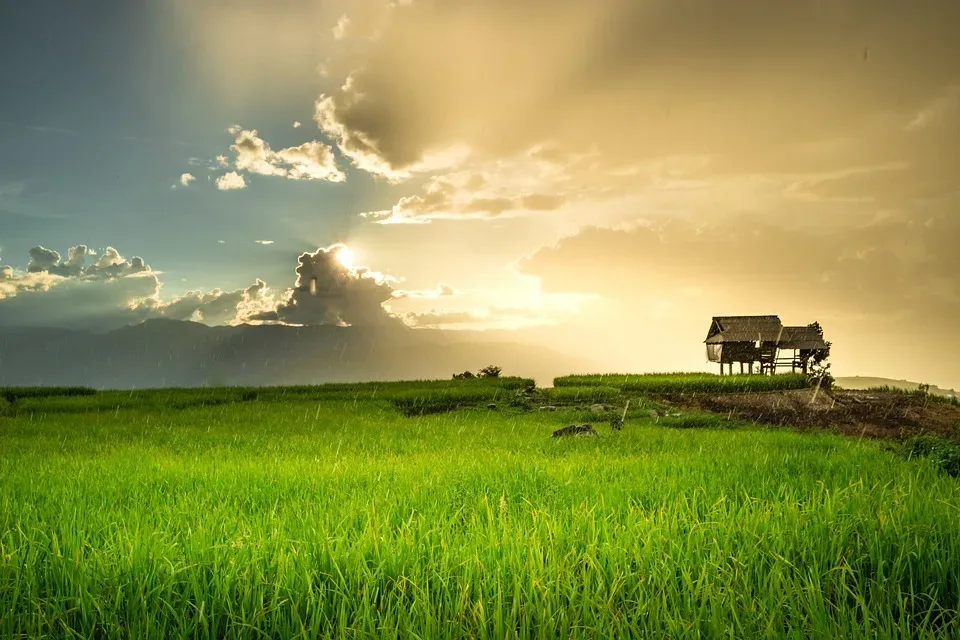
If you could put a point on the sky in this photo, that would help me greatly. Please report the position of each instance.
(601, 178)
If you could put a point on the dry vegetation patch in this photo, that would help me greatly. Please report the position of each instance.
(878, 414)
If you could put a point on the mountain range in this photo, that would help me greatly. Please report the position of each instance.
(173, 353)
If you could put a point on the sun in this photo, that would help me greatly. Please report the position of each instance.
(345, 257)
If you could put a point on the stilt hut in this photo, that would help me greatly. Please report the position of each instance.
(764, 342)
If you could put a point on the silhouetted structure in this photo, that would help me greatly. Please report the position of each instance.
(764, 340)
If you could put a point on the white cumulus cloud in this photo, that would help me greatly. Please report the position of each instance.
(231, 181)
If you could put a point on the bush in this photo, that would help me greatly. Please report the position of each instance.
(819, 375)
(944, 453)
(490, 371)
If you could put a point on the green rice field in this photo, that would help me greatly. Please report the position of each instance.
(412, 510)
(687, 382)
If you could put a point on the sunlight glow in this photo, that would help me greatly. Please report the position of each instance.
(345, 257)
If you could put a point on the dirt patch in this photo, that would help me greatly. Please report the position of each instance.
(875, 414)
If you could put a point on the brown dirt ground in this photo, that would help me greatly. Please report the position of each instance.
(874, 414)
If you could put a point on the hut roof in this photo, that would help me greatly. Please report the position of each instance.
(802, 338)
(744, 329)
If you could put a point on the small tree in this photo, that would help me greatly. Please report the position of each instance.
(489, 372)
(820, 355)
(820, 375)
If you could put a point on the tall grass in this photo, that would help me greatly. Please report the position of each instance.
(332, 515)
(944, 453)
(687, 382)
(582, 394)
(917, 393)
(12, 394)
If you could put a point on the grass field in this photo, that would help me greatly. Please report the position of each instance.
(343, 512)
(686, 382)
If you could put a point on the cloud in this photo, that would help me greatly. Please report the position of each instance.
(263, 241)
(257, 300)
(482, 193)
(942, 110)
(340, 30)
(442, 290)
(42, 259)
(109, 292)
(297, 124)
(186, 179)
(893, 267)
(309, 161)
(328, 292)
(112, 292)
(103, 291)
(110, 264)
(633, 82)
(231, 181)
(491, 318)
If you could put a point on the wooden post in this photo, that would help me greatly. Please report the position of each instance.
(721, 367)
(751, 367)
(741, 368)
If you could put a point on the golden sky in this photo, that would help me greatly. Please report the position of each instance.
(605, 176)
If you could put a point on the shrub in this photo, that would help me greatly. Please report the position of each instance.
(944, 453)
(819, 375)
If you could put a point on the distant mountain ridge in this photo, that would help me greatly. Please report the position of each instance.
(172, 353)
(866, 382)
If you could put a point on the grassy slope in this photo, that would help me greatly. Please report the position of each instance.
(285, 516)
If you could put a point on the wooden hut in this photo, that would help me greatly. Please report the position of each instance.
(764, 341)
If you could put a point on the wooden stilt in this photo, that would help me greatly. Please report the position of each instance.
(751, 367)
(741, 368)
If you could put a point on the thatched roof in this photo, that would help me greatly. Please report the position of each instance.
(744, 329)
(767, 329)
(802, 338)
